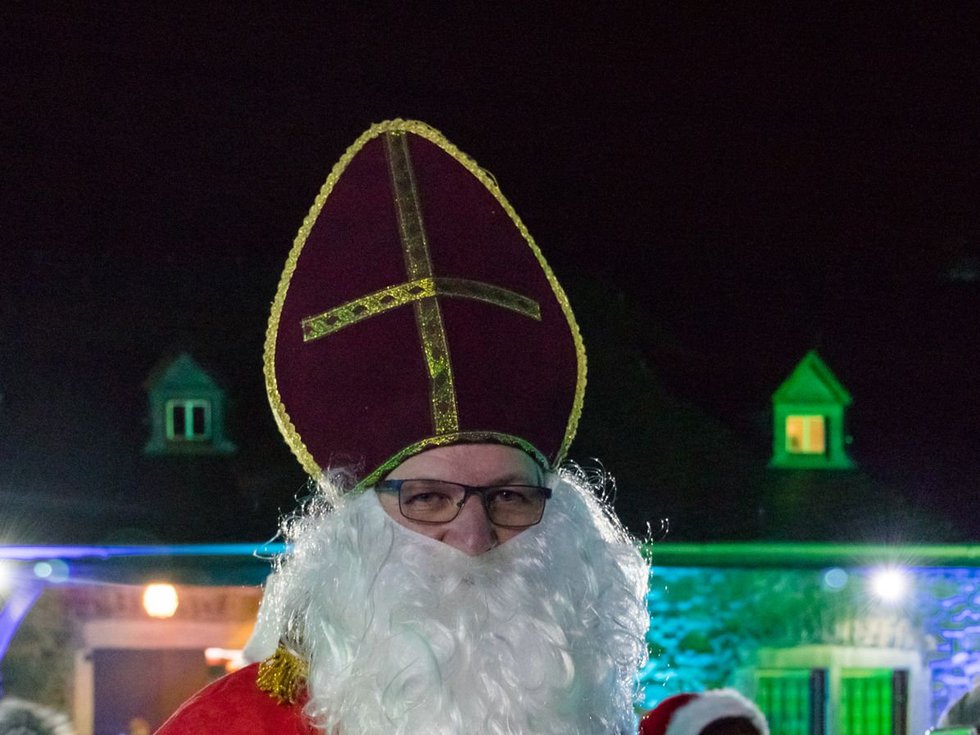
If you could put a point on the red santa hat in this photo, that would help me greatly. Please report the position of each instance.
(689, 714)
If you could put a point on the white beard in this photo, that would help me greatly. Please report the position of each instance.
(407, 635)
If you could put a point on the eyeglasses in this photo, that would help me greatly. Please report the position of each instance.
(438, 501)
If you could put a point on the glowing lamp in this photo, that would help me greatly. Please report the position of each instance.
(890, 585)
(231, 659)
(160, 600)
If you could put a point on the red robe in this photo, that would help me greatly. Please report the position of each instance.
(234, 705)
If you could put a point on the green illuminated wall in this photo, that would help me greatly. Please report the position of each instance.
(724, 615)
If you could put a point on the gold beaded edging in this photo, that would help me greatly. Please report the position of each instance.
(286, 427)
(418, 264)
(392, 297)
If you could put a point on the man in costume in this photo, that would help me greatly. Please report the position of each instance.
(450, 575)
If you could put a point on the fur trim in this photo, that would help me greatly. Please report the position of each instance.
(714, 705)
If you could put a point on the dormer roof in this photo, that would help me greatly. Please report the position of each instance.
(812, 382)
(182, 371)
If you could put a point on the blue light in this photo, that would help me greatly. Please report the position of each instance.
(835, 579)
(31, 553)
(59, 571)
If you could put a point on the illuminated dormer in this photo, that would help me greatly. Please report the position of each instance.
(808, 419)
(187, 410)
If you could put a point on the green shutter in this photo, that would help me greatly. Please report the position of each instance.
(867, 702)
(783, 696)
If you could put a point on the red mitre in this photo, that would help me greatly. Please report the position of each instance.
(415, 311)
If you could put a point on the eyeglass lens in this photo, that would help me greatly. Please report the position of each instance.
(435, 501)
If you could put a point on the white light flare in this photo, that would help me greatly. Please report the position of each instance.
(890, 584)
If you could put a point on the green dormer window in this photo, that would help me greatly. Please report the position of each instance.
(188, 420)
(808, 419)
(187, 410)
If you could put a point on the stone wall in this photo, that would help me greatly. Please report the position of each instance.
(951, 600)
(708, 624)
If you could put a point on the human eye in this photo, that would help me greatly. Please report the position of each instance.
(510, 495)
(426, 494)
(426, 499)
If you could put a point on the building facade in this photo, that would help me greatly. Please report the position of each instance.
(829, 640)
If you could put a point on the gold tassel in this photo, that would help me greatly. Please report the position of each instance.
(282, 676)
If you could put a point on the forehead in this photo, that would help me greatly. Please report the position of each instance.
(471, 464)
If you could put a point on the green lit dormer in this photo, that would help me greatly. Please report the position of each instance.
(187, 410)
(808, 419)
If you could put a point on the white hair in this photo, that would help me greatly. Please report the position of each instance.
(407, 635)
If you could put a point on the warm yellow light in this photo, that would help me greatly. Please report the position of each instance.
(231, 658)
(805, 435)
(160, 600)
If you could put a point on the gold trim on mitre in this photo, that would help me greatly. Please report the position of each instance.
(418, 263)
(392, 297)
(286, 427)
(442, 440)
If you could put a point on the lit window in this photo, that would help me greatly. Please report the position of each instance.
(872, 701)
(188, 420)
(805, 435)
(789, 696)
(868, 699)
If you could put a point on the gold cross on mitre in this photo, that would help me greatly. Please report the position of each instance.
(422, 289)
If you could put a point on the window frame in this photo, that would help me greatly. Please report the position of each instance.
(188, 434)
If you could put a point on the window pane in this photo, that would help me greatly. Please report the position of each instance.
(784, 697)
(815, 431)
(866, 701)
(199, 428)
(188, 420)
(177, 426)
(794, 434)
(805, 435)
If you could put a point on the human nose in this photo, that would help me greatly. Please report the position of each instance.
(471, 531)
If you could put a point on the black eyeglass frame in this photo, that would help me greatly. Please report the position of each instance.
(395, 486)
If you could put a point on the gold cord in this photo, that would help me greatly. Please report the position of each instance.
(282, 676)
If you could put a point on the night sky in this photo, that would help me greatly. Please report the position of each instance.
(758, 183)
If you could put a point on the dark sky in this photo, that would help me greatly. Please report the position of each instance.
(761, 182)
(829, 137)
